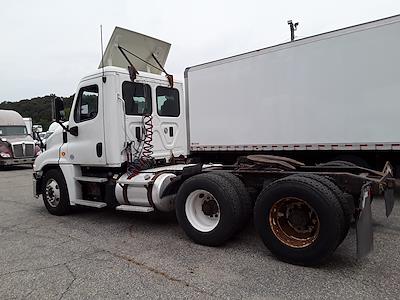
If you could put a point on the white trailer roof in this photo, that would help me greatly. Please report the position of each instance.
(141, 45)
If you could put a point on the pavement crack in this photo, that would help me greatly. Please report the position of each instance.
(70, 283)
(158, 272)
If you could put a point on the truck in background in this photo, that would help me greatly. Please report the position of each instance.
(16, 145)
(135, 142)
(29, 125)
(37, 128)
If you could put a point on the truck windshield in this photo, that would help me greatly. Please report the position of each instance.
(12, 130)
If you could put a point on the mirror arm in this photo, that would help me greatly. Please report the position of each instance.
(63, 126)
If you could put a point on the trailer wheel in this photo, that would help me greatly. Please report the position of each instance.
(208, 209)
(245, 201)
(340, 195)
(299, 220)
(354, 160)
(55, 193)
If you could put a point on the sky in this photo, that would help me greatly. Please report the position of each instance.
(48, 45)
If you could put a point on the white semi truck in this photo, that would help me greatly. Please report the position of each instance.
(16, 144)
(136, 142)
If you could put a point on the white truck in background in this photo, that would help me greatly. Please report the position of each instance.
(134, 141)
(16, 144)
(29, 125)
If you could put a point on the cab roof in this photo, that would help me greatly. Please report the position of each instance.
(11, 118)
(124, 71)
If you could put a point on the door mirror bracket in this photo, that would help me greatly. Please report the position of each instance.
(58, 115)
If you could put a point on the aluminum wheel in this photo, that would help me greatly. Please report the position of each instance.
(294, 222)
(52, 193)
(202, 210)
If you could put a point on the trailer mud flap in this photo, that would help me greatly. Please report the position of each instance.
(364, 223)
(389, 201)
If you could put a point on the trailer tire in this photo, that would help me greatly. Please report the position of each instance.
(355, 160)
(245, 201)
(316, 206)
(343, 199)
(208, 209)
(55, 193)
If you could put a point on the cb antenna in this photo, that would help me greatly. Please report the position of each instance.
(102, 53)
(293, 28)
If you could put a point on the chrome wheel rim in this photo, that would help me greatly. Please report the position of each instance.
(202, 210)
(52, 193)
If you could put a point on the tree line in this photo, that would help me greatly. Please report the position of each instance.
(38, 108)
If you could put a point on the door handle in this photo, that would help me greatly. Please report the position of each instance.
(137, 133)
(171, 131)
(99, 149)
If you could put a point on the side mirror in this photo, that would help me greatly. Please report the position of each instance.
(57, 110)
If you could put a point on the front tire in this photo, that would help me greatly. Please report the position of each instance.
(299, 220)
(208, 209)
(55, 193)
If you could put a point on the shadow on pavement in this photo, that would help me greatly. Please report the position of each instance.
(15, 168)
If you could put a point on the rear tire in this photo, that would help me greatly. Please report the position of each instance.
(208, 209)
(340, 195)
(354, 160)
(55, 193)
(311, 237)
(245, 201)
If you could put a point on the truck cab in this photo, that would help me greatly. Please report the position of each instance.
(117, 127)
(16, 144)
(106, 117)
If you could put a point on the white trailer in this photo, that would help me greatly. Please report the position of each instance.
(135, 143)
(335, 93)
(28, 124)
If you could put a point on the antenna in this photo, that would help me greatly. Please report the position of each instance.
(293, 28)
(102, 53)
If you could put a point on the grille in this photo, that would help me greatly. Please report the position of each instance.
(23, 150)
(18, 151)
(29, 150)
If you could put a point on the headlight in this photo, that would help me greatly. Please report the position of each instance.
(5, 155)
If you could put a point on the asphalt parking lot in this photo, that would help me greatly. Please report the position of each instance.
(105, 254)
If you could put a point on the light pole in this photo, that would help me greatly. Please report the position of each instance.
(293, 28)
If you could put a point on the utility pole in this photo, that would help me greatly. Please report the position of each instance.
(293, 28)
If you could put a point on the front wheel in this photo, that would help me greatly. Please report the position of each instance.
(55, 193)
(208, 209)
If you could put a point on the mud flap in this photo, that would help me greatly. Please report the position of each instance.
(364, 223)
(389, 201)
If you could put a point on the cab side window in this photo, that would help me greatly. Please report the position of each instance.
(167, 102)
(87, 104)
(137, 97)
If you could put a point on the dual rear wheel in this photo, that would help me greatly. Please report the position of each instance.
(301, 219)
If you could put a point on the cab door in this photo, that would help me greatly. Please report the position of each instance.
(169, 122)
(85, 141)
(138, 103)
